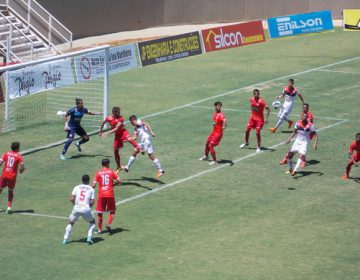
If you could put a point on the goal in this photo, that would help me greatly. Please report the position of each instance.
(37, 90)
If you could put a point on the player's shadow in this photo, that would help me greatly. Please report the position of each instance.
(263, 149)
(226, 161)
(135, 185)
(22, 211)
(312, 162)
(148, 179)
(83, 240)
(307, 173)
(118, 230)
(356, 179)
(88, 155)
(286, 131)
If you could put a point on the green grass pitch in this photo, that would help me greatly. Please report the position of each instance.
(241, 219)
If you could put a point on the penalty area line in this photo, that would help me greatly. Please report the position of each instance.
(197, 175)
(44, 215)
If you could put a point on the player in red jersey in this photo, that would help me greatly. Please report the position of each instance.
(219, 124)
(354, 155)
(12, 160)
(256, 120)
(106, 179)
(116, 122)
(310, 118)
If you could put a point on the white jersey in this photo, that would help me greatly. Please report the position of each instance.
(303, 132)
(289, 97)
(83, 194)
(143, 132)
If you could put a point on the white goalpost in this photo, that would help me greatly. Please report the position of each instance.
(37, 90)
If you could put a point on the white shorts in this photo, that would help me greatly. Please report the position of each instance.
(87, 215)
(299, 147)
(284, 112)
(147, 147)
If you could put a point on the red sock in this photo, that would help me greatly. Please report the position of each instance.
(212, 152)
(117, 158)
(206, 153)
(247, 134)
(10, 198)
(258, 137)
(100, 221)
(135, 144)
(111, 218)
(348, 168)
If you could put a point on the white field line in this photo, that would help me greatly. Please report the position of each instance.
(273, 113)
(212, 169)
(185, 179)
(44, 215)
(249, 87)
(340, 72)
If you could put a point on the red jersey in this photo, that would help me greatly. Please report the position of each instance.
(113, 121)
(257, 108)
(310, 117)
(218, 122)
(354, 147)
(12, 161)
(105, 178)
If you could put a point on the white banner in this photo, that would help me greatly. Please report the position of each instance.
(91, 66)
(38, 78)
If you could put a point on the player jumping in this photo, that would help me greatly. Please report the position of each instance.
(12, 160)
(302, 129)
(116, 122)
(219, 124)
(144, 132)
(73, 125)
(82, 197)
(256, 120)
(106, 179)
(289, 93)
(354, 155)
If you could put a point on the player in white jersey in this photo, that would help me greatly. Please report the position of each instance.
(82, 197)
(289, 94)
(144, 134)
(302, 129)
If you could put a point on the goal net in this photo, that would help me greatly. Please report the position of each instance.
(36, 92)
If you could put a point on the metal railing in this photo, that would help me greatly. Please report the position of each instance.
(40, 20)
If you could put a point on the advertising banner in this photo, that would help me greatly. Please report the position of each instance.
(169, 48)
(38, 78)
(300, 24)
(351, 20)
(232, 36)
(122, 58)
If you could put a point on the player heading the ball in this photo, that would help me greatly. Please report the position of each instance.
(73, 125)
(144, 132)
(116, 122)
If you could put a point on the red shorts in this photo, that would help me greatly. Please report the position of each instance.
(356, 157)
(105, 204)
(120, 139)
(255, 124)
(214, 139)
(6, 182)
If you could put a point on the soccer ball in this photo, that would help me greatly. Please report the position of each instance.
(60, 113)
(276, 104)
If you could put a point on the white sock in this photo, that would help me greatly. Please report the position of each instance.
(157, 163)
(290, 164)
(67, 231)
(297, 164)
(91, 229)
(279, 123)
(131, 161)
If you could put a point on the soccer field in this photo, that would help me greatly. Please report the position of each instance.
(241, 219)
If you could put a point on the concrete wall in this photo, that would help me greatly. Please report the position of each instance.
(95, 17)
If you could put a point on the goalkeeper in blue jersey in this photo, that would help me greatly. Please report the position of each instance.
(73, 125)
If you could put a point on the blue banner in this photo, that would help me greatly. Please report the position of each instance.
(300, 24)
